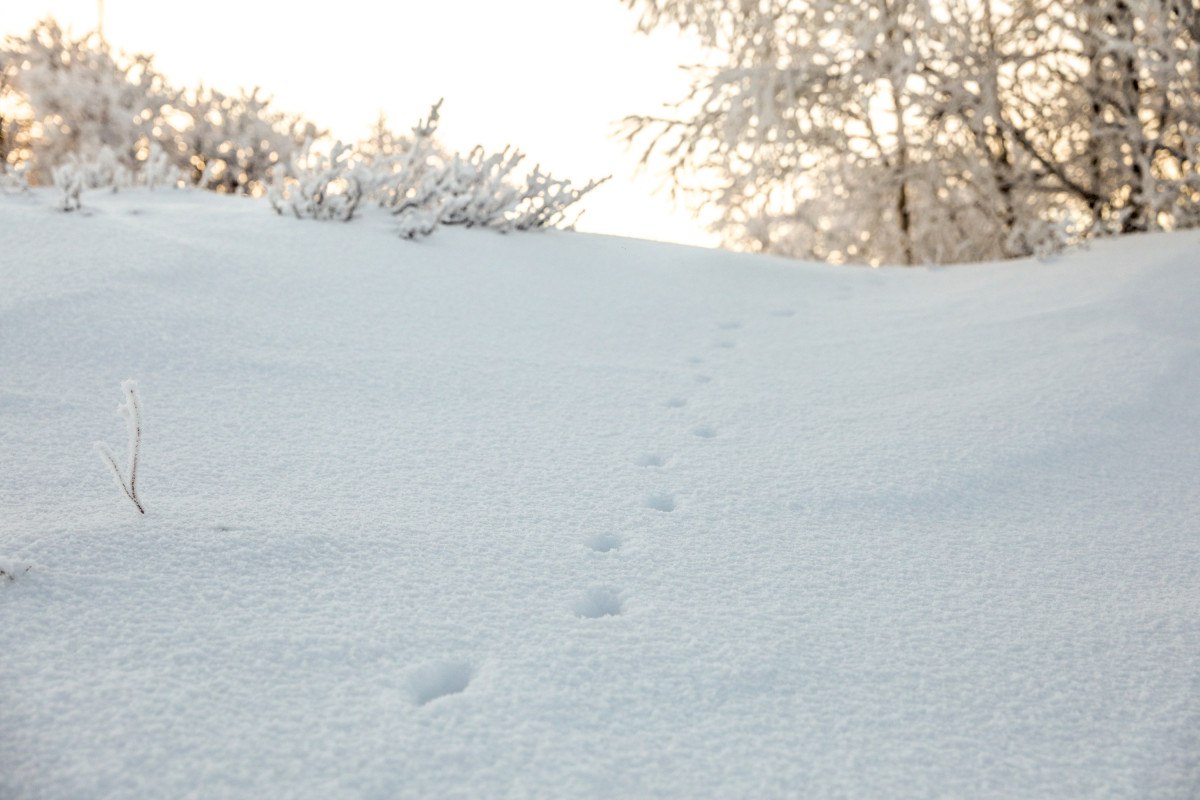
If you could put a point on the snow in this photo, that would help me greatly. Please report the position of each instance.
(568, 515)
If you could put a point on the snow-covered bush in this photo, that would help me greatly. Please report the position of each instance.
(422, 185)
(12, 179)
(157, 170)
(69, 180)
(231, 143)
(408, 168)
(480, 189)
(485, 190)
(320, 186)
(105, 171)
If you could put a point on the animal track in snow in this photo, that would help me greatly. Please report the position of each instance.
(596, 603)
(661, 502)
(676, 402)
(11, 570)
(603, 542)
(731, 325)
(437, 679)
(704, 432)
(650, 460)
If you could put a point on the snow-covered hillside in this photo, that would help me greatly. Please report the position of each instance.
(559, 515)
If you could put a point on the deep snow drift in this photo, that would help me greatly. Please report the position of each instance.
(567, 515)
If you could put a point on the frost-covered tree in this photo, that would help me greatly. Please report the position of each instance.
(75, 98)
(917, 131)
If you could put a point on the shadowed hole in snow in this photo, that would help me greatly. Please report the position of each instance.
(598, 603)
(650, 460)
(603, 542)
(676, 402)
(661, 502)
(704, 432)
(435, 679)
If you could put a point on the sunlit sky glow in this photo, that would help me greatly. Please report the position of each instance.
(549, 76)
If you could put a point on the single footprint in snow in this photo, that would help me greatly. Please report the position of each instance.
(436, 679)
(596, 603)
(676, 402)
(732, 325)
(703, 379)
(650, 460)
(603, 542)
(725, 344)
(704, 432)
(661, 502)
(11, 570)
(695, 360)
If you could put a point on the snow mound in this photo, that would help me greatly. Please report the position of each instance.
(568, 515)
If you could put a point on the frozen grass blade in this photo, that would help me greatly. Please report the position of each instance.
(131, 411)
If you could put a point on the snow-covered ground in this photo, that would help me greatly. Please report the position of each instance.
(563, 515)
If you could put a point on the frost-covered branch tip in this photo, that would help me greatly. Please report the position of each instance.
(131, 411)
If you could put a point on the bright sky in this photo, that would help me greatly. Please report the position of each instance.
(549, 76)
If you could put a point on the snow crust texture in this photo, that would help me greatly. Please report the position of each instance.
(573, 516)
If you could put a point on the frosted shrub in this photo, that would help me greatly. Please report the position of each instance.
(157, 170)
(105, 171)
(102, 171)
(68, 178)
(320, 186)
(423, 187)
(409, 175)
(484, 190)
(12, 179)
(417, 222)
(231, 143)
